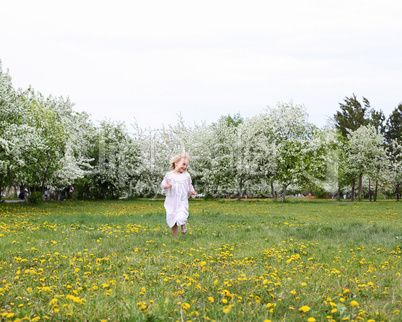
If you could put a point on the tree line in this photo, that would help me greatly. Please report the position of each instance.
(48, 148)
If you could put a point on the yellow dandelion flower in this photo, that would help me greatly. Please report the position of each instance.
(53, 301)
(210, 299)
(304, 309)
(311, 319)
(354, 303)
(227, 309)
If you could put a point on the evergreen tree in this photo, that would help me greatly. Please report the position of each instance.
(393, 127)
(352, 115)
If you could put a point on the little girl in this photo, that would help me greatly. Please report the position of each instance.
(177, 187)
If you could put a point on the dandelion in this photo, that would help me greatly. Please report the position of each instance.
(354, 303)
(304, 309)
(311, 319)
(53, 301)
(211, 299)
(227, 308)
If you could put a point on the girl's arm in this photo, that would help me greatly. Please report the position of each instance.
(191, 190)
(165, 185)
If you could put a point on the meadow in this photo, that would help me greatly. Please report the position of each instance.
(254, 260)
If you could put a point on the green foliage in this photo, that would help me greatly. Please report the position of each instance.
(35, 198)
(208, 197)
(234, 120)
(352, 115)
(394, 125)
(377, 119)
(320, 193)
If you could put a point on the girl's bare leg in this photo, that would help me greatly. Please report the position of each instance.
(175, 230)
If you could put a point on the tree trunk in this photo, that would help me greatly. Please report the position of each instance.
(273, 191)
(360, 188)
(338, 195)
(398, 193)
(0, 193)
(59, 196)
(375, 191)
(25, 196)
(283, 193)
(22, 190)
(240, 186)
(353, 190)
(370, 189)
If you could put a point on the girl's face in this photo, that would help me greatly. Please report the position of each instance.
(181, 166)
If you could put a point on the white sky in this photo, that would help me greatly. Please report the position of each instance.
(153, 59)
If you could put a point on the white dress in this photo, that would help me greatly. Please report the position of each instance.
(176, 202)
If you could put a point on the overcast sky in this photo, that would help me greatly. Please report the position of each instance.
(153, 59)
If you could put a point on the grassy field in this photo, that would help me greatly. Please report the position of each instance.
(304, 260)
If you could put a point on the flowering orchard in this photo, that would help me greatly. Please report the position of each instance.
(49, 149)
(256, 260)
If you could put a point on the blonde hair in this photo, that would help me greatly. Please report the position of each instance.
(177, 158)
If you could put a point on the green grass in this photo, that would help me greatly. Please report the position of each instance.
(250, 260)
